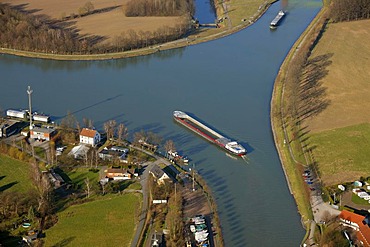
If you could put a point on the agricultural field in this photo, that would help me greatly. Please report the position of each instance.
(110, 21)
(347, 80)
(107, 221)
(342, 154)
(340, 134)
(14, 175)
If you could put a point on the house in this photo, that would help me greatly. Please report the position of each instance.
(55, 179)
(79, 152)
(9, 127)
(359, 223)
(41, 133)
(89, 136)
(118, 174)
(159, 174)
(110, 154)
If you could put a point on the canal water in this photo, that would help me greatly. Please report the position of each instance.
(227, 83)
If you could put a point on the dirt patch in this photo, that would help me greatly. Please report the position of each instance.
(347, 82)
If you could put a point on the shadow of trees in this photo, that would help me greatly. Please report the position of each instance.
(311, 100)
(64, 242)
(7, 186)
(312, 94)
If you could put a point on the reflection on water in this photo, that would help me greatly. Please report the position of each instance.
(70, 66)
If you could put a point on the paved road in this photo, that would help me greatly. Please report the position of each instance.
(144, 188)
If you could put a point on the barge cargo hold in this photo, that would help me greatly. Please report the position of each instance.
(277, 19)
(208, 133)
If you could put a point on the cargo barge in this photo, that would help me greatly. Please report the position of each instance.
(208, 133)
(277, 19)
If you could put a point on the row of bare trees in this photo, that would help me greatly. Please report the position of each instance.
(26, 32)
(160, 8)
(23, 31)
(132, 39)
(347, 10)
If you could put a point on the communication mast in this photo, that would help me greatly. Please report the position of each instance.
(29, 92)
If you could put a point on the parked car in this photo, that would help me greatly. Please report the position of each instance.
(312, 189)
(309, 182)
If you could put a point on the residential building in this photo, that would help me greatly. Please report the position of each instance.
(41, 133)
(90, 137)
(118, 174)
(159, 174)
(359, 223)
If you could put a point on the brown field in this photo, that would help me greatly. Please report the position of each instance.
(107, 24)
(347, 82)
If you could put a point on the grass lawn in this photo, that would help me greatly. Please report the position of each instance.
(343, 154)
(14, 175)
(356, 199)
(79, 175)
(135, 186)
(107, 221)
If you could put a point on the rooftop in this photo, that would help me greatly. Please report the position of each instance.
(88, 132)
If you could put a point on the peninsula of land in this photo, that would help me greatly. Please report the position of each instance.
(106, 29)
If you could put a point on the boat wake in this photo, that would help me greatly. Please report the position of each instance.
(245, 158)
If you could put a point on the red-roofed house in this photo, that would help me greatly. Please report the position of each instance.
(89, 136)
(359, 223)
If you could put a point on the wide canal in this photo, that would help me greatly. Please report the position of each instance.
(227, 83)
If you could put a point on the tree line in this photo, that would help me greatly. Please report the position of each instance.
(348, 10)
(132, 39)
(160, 8)
(31, 33)
(22, 31)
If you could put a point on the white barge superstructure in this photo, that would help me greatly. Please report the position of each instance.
(208, 133)
(277, 19)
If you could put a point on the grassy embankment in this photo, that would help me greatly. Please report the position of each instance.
(14, 175)
(340, 135)
(239, 15)
(290, 150)
(88, 224)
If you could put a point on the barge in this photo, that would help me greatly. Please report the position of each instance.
(208, 133)
(277, 19)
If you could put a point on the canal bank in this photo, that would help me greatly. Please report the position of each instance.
(227, 81)
(291, 166)
(192, 39)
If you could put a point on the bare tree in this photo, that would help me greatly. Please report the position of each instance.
(44, 192)
(110, 128)
(88, 123)
(88, 187)
(169, 146)
(122, 132)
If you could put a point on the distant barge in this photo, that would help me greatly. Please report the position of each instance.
(208, 133)
(277, 19)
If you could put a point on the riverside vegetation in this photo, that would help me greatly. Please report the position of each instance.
(66, 30)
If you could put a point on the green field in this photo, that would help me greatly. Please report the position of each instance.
(78, 176)
(343, 152)
(107, 221)
(356, 199)
(14, 175)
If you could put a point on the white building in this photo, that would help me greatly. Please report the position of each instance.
(90, 137)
